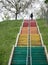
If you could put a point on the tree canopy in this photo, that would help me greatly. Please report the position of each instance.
(15, 6)
(46, 1)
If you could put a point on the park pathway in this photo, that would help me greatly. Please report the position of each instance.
(29, 50)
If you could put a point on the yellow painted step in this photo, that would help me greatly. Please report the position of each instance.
(35, 37)
(23, 40)
(36, 43)
(22, 44)
(35, 40)
(23, 36)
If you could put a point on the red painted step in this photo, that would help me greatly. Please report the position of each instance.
(33, 24)
(32, 20)
(25, 24)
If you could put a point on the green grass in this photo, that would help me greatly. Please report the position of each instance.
(8, 33)
(44, 30)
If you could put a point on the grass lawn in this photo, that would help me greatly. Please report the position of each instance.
(44, 31)
(8, 34)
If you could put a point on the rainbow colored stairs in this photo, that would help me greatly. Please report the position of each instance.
(23, 38)
(29, 35)
(34, 35)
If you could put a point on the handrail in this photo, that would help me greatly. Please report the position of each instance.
(27, 50)
(30, 49)
(10, 59)
(29, 58)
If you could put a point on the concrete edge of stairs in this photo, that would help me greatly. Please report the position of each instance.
(10, 59)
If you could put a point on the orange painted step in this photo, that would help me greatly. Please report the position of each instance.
(23, 40)
(33, 30)
(24, 30)
(35, 40)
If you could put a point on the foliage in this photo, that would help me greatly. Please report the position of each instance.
(15, 6)
(6, 16)
(46, 1)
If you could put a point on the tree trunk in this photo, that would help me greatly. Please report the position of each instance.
(16, 16)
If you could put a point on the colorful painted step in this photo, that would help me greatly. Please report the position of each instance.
(24, 30)
(23, 40)
(19, 56)
(25, 24)
(35, 40)
(33, 24)
(35, 37)
(32, 20)
(36, 43)
(33, 30)
(38, 56)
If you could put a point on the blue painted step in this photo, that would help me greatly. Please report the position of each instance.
(19, 56)
(38, 56)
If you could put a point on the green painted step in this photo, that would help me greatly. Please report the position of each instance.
(19, 56)
(38, 56)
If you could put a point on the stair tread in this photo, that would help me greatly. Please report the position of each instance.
(38, 56)
(19, 62)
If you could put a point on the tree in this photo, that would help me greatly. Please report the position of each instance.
(15, 6)
(46, 1)
(6, 16)
(46, 15)
(44, 10)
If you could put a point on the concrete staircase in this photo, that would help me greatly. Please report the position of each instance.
(29, 50)
(38, 56)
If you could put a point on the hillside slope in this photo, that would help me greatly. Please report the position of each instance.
(8, 34)
(44, 31)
